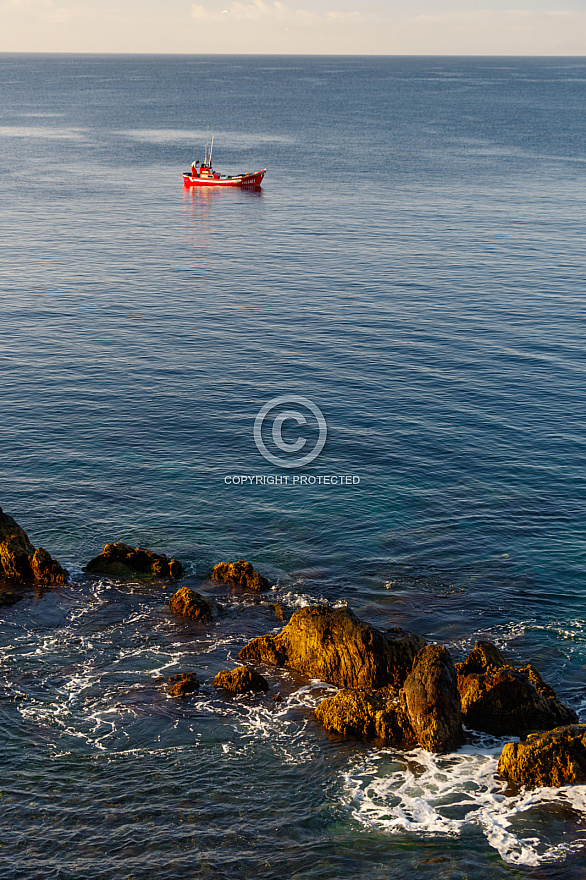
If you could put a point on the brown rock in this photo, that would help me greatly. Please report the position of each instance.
(335, 646)
(432, 700)
(508, 702)
(485, 657)
(183, 684)
(15, 560)
(9, 528)
(241, 680)
(20, 561)
(46, 569)
(546, 691)
(129, 563)
(355, 713)
(555, 758)
(188, 603)
(239, 574)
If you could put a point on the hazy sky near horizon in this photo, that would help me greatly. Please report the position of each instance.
(394, 27)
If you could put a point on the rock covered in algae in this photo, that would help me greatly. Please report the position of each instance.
(241, 680)
(20, 561)
(239, 574)
(505, 700)
(188, 603)
(554, 758)
(128, 563)
(335, 646)
(432, 700)
(370, 716)
(183, 684)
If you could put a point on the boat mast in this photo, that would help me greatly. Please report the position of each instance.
(211, 148)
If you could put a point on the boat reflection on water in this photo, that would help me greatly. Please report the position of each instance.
(205, 195)
(204, 209)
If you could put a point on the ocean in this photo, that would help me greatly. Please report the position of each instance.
(413, 270)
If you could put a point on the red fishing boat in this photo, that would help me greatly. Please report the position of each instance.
(204, 174)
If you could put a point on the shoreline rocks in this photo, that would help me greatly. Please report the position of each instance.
(554, 758)
(239, 574)
(188, 603)
(394, 688)
(183, 684)
(241, 680)
(504, 700)
(432, 700)
(335, 646)
(370, 716)
(20, 561)
(425, 712)
(128, 563)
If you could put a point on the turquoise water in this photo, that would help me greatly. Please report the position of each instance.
(413, 265)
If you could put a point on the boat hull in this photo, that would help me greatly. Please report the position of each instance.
(248, 180)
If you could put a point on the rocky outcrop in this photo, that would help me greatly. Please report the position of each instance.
(554, 758)
(241, 680)
(183, 684)
(432, 700)
(187, 603)
(505, 700)
(133, 563)
(19, 561)
(335, 646)
(239, 574)
(47, 569)
(484, 657)
(370, 716)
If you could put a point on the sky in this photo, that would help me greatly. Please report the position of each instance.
(322, 27)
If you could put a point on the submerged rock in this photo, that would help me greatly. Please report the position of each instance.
(278, 610)
(20, 561)
(128, 563)
(239, 574)
(430, 695)
(241, 680)
(506, 700)
(370, 716)
(183, 684)
(335, 646)
(9, 597)
(187, 603)
(554, 758)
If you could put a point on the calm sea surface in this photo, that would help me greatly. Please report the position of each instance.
(414, 267)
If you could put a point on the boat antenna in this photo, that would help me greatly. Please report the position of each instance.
(211, 148)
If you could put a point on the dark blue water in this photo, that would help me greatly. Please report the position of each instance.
(414, 266)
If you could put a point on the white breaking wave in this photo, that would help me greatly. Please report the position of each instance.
(445, 794)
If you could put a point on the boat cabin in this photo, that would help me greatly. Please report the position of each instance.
(205, 171)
